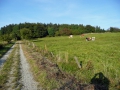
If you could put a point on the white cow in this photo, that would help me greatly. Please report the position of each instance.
(71, 36)
(93, 38)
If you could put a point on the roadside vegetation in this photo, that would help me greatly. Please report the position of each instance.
(35, 60)
(10, 72)
(99, 58)
(4, 47)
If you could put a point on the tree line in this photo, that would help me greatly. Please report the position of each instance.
(38, 30)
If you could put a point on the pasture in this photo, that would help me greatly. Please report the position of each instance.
(99, 56)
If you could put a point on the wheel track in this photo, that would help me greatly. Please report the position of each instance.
(27, 78)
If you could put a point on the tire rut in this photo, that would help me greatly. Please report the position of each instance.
(27, 78)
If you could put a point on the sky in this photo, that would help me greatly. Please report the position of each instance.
(103, 13)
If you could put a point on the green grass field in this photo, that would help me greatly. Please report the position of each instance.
(101, 55)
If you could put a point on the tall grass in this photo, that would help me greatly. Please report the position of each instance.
(4, 72)
(39, 74)
(101, 55)
(10, 74)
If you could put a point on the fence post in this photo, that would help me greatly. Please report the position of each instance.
(77, 62)
(33, 45)
(66, 57)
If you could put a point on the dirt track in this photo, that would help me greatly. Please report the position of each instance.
(27, 80)
(27, 77)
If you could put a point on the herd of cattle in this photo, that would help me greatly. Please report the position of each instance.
(87, 38)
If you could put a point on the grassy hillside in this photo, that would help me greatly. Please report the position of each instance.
(99, 58)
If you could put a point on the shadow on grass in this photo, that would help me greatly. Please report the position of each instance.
(4, 49)
(37, 40)
(100, 82)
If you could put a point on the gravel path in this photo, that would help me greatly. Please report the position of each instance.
(13, 81)
(27, 77)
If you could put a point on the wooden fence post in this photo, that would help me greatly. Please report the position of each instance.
(77, 62)
(33, 45)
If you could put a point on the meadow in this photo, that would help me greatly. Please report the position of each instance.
(95, 57)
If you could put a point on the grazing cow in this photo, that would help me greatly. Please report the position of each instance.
(71, 36)
(93, 38)
(82, 35)
(88, 38)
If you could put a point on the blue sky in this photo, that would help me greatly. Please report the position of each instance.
(103, 13)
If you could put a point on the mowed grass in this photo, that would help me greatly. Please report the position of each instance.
(101, 55)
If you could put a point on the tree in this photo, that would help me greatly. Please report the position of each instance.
(40, 30)
(97, 29)
(65, 31)
(6, 37)
(89, 29)
(16, 32)
(75, 32)
(81, 28)
(57, 33)
(25, 33)
(114, 29)
(51, 31)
